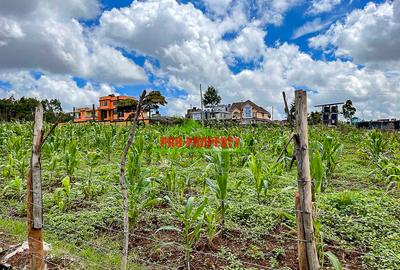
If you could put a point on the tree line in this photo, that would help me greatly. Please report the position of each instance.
(12, 109)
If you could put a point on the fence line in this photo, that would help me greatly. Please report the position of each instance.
(181, 246)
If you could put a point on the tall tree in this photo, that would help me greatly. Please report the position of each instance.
(348, 110)
(211, 97)
(315, 118)
(127, 105)
(153, 101)
(22, 109)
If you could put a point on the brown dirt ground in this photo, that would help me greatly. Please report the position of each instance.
(154, 248)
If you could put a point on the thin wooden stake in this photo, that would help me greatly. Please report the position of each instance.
(34, 197)
(122, 182)
(309, 260)
(286, 107)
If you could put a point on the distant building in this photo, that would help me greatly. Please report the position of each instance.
(383, 124)
(84, 114)
(194, 113)
(243, 112)
(218, 112)
(106, 111)
(248, 112)
(355, 120)
(330, 113)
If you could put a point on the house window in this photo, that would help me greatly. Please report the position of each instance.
(247, 112)
(114, 103)
(104, 103)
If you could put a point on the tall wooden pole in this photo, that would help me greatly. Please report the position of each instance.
(34, 197)
(122, 182)
(308, 260)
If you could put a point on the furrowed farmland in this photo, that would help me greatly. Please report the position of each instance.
(199, 206)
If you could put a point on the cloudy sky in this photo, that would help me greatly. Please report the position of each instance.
(77, 50)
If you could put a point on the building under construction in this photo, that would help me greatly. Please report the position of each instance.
(330, 113)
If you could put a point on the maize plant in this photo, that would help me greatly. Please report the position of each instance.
(92, 160)
(62, 195)
(70, 158)
(191, 220)
(255, 168)
(220, 162)
(331, 151)
(375, 145)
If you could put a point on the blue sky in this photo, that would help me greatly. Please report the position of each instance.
(247, 49)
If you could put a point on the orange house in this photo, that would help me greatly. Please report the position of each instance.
(106, 111)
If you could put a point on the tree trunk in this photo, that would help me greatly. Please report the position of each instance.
(122, 182)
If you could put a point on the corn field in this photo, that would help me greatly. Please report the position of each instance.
(205, 208)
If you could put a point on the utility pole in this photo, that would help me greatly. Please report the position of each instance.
(272, 113)
(307, 252)
(202, 109)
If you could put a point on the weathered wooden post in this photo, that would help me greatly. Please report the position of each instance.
(34, 197)
(122, 182)
(308, 258)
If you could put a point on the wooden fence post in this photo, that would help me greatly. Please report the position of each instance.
(308, 258)
(122, 182)
(34, 197)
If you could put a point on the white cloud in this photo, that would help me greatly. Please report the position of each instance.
(321, 6)
(373, 93)
(168, 22)
(60, 8)
(219, 7)
(310, 27)
(370, 36)
(197, 54)
(49, 38)
(248, 45)
(189, 49)
(59, 87)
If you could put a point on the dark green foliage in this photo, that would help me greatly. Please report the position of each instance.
(22, 109)
(348, 110)
(153, 100)
(211, 97)
(315, 118)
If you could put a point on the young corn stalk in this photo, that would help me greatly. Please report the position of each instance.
(375, 145)
(331, 150)
(318, 174)
(191, 221)
(221, 164)
(62, 195)
(70, 158)
(211, 222)
(255, 169)
(92, 160)
(139, 198)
